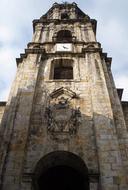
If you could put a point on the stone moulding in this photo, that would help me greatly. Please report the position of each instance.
(63, 90)
(3, 103)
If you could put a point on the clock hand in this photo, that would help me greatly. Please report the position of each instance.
(65, 47)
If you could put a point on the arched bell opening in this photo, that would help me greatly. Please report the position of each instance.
(64, 16)
(61, 170)
(64, 36)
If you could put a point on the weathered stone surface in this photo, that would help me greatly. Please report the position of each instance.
(81, 116)
(125, 111)
(2, 108)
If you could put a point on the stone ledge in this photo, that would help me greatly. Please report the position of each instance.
(29, 51)
(3, 103)
(120, 92)
(39, 45)
(92, 50)
(124, 103)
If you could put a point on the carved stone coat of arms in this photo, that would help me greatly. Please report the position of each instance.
(61, 115)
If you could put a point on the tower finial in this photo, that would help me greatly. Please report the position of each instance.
(65, 2)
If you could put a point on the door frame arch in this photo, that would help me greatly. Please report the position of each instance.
(59, 158)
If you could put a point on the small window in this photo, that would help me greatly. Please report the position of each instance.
(62, 69)
(64, 36)
(64, 16)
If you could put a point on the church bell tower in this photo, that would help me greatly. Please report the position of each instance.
(63, 126)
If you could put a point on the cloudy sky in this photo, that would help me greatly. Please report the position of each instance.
(16, 31)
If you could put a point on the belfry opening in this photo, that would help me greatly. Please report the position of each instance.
(61, 170)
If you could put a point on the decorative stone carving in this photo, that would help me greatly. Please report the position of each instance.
(63, 91)
(94, 186)
(61, 115)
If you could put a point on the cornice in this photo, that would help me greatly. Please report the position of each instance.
(124, 103)
(54, 42)
(38, 48)
(120, 92)
(29, 51)
(70, 21)
(3, 103)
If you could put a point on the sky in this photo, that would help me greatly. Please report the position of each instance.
(16, 31)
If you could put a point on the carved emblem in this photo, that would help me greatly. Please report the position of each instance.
(61, 116)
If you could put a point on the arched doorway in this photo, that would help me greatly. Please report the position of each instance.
(61, 170)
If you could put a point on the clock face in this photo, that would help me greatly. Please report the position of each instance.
(64, 47)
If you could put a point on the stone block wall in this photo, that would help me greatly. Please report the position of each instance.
(2, 108)
(125, 111)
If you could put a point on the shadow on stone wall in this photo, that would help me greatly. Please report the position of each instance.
(26, 138)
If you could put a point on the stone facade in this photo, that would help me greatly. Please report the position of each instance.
(125, 111)
(57, 120)
(2, 108)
